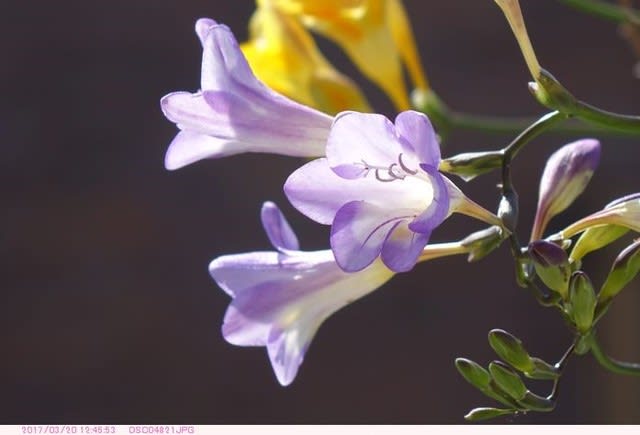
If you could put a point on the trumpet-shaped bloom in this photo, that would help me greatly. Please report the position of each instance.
(234, 112)
(376, 35)
(280, 298)
(380, 189)
(284, 56)
(565, 177)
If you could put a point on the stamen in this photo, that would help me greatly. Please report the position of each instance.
(383, 179)
(404, 167)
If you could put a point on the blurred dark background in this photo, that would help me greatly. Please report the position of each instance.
(108, 312)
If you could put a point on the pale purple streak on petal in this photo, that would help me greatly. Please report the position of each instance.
(203, 25)
(359, 231)
(417, 130)
(438, 209)
(277, 228)
(403, 247)
(318, 192)
(230, 271)
(359, 139)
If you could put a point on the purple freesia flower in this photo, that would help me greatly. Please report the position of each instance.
(565, 177)
(380, 189)
(281, 297)
(234, 112)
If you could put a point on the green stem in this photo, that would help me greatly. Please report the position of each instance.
(613, 365)
(608, 11)
(544, 123)
(496, 124)
(620, 122)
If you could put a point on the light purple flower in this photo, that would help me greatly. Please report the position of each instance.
(565, 177)
(281, 298)
(234, 112)
(380, 189)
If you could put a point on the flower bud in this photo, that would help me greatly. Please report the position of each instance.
(508, 210)
(507, 380)
(542, 370)
(565, 176)
(533, 402)
(475, 374)
(479, 414)
(582, 301)
(511, 350)
(482, 242)
(552, 265)
(625, 267)
(469, 165)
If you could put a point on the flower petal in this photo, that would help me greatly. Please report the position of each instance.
(277, 228)
(189, 147)
(438, 209)
(359, 231)
(417, 130)
(203, 25)
(318, 192)
(358, 141)
(402, 248)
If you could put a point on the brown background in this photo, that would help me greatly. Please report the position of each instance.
(108, 313)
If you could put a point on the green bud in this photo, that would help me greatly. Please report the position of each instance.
(479, 414)
(582, 301)
(583, 345)
(473, 373)
(542, 370)
(595, 238)
(469, 165)
(507, 380)
(482, 242)
(625, 267)
(510, 349)
(533, 402)
(508, 210)
(552, 265)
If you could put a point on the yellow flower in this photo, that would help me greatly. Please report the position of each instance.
(376, 35)
(283, 55)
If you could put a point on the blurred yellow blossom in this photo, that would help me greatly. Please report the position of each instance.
(283, 55)
(376, 34)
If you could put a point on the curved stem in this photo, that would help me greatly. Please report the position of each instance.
(498, 125)
(613, 365)
(605, 10)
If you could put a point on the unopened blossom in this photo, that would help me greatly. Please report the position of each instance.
(234, 112)
(624, 212)
(376, 35)
(281, 297)
(565, 177)
(285, 57)
(380, 190)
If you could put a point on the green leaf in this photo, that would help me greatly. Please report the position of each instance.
(511, 350)
(479, 414)
(508, 380)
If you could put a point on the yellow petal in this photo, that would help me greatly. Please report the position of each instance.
(283, 55)
(376, 35)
